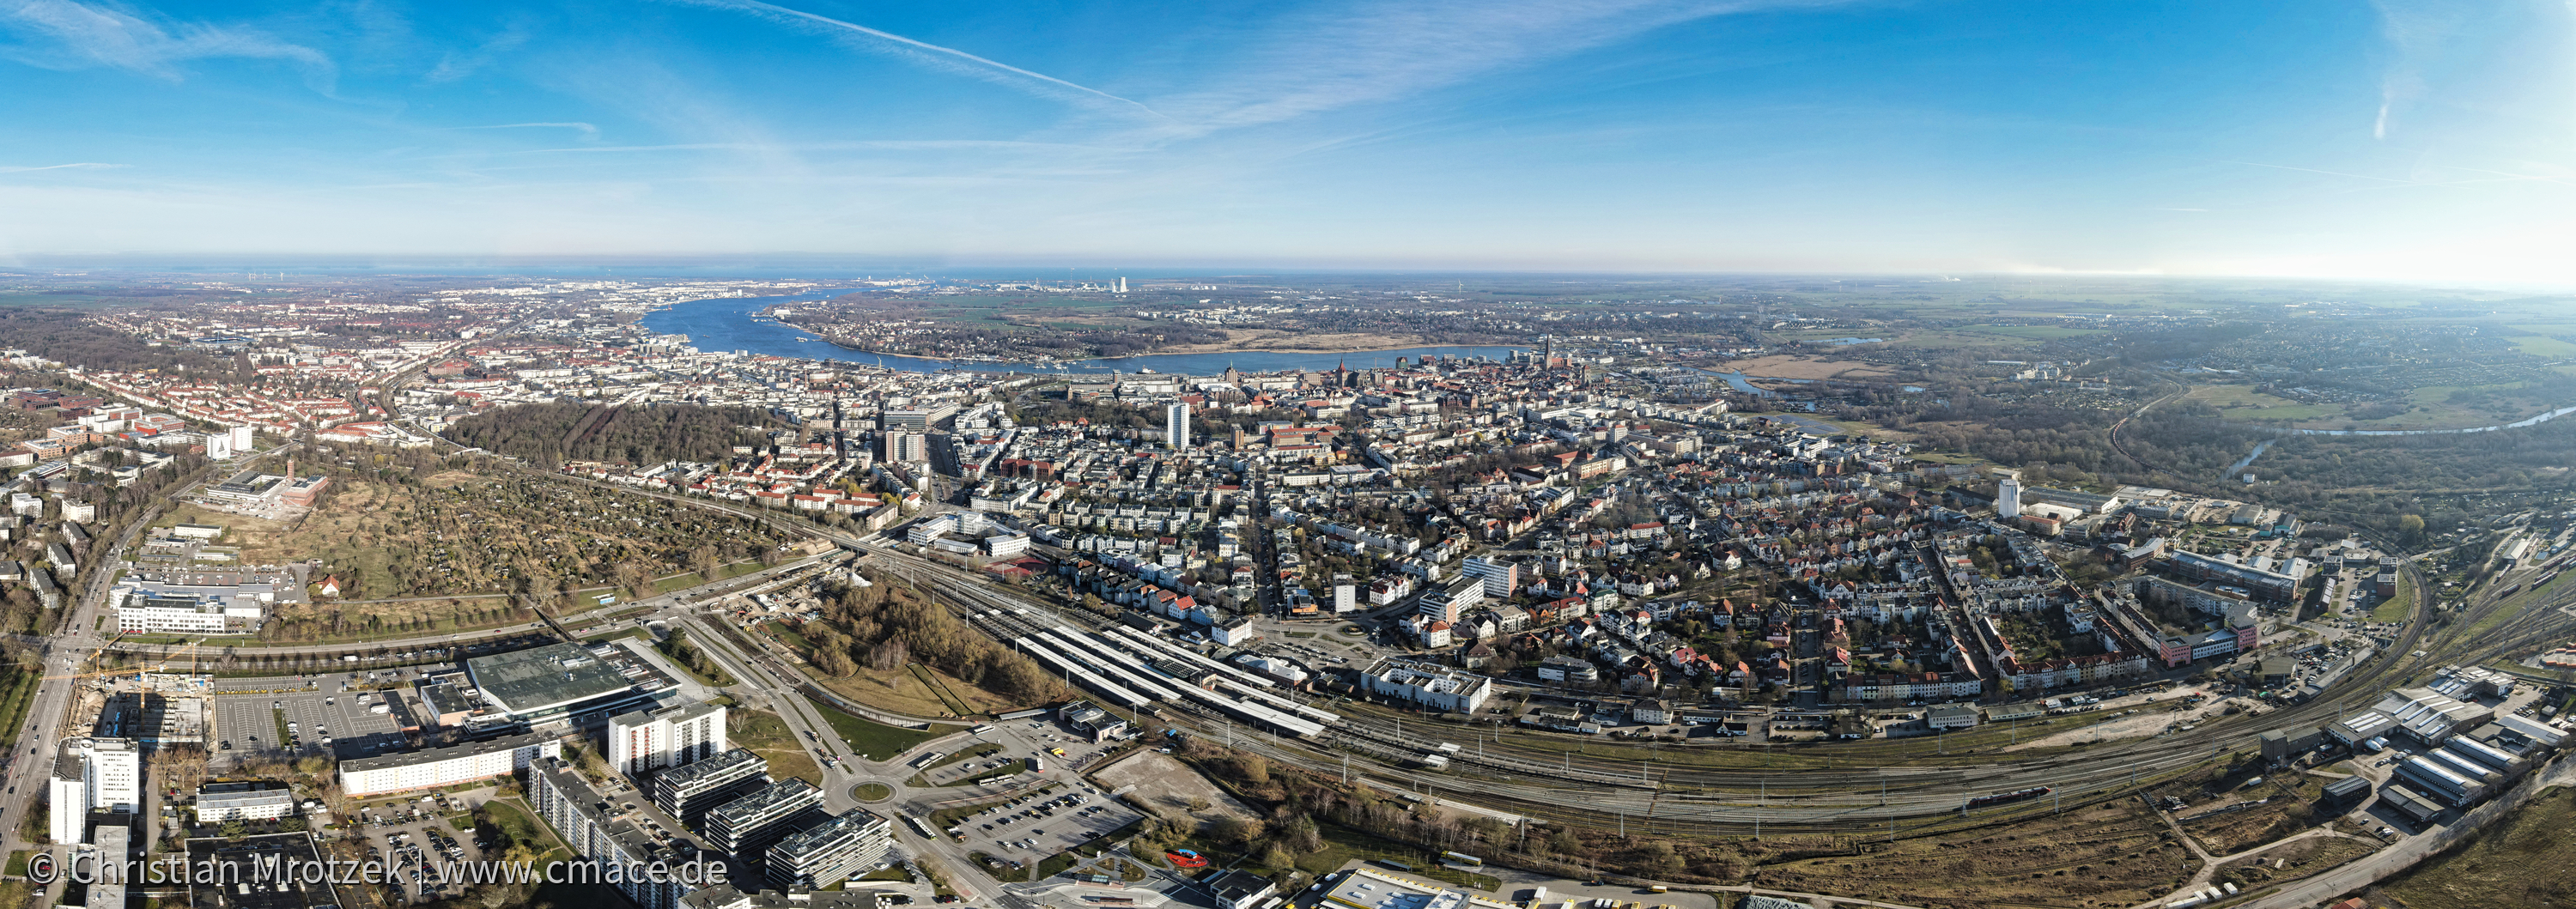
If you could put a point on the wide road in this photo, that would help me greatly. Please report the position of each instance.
(66, 657)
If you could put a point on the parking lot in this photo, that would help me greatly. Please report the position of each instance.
(248, 722)
(403, 830)
(1031, 828)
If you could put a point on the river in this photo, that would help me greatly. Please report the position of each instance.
(2517, 424)
(726, 323)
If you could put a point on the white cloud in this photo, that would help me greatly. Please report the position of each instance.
(84, 165)
(1366, 52)
(65, 34)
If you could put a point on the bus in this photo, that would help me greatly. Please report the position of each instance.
(928, 759)
(919, 827)
(981, 729)
(1462, 858)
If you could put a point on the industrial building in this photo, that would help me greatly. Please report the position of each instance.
(2431, 717)
(2440, 782)
(555, 682)
(2409, 802)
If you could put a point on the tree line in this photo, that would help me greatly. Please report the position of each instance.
(553, 433)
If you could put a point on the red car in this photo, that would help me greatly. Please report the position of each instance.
(1185, 858)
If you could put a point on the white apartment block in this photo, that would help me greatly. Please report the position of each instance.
(445, 766)
(645, 741)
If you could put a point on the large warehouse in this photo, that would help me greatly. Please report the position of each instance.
(554, 682)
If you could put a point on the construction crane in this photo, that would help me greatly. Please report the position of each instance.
(138, 672)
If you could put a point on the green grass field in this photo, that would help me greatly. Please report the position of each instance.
(768, 736)
(2242, 404)
(877, 741)
(2544, 346)
(688, 579)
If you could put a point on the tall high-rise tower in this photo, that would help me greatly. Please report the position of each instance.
(2008, 496)
(1176, 426)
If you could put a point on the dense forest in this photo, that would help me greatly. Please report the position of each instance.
(884, 626)
(68, 336)
(551, 434)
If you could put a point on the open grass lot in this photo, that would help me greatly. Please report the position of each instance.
(2395, 609)
(2306, 857)
(518, 826)
(1342, 844)
(2242, 404)
(687, 579)
(2522, 861)
(2111, 854)
(916, 691)
(2288, 811)
(1961, 338)
(2036, 332)
(878, 741)
(768, 736)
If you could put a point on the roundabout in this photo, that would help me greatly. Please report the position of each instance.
(871, 793)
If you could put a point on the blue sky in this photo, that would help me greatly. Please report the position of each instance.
(2398, 140)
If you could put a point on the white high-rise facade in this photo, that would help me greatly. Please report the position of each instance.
(903, 447)
(1501, 578)
(93, 774)
(243, 438)
(2008, 497)
(642, 741)
(1176, 425)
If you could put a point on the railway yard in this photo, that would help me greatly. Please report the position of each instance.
(1994, 787)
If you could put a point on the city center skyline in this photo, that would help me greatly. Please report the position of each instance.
(2388, 141)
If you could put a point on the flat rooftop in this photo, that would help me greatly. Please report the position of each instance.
(538, 678)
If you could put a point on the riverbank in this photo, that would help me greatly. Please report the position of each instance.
(727, 323)
(1782, 366)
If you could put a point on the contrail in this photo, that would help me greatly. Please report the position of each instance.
(588, 131)
(972, 64)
